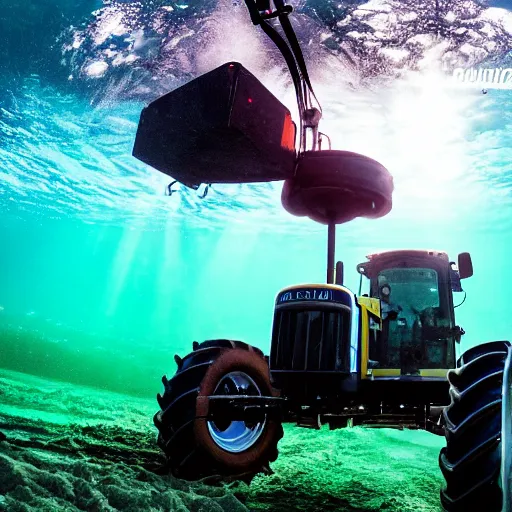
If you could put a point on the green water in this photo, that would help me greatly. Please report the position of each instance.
(110, 306)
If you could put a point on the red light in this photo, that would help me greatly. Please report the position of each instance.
(249, 100)
(231, 65)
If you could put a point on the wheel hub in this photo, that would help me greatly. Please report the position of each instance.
(236, 436)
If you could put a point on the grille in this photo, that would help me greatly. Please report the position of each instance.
(311, 340)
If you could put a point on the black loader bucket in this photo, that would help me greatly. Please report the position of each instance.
(223, 127)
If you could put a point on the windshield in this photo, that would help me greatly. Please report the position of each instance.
(416, 325)
(414, 289)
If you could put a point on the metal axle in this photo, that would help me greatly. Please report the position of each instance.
(331, 247)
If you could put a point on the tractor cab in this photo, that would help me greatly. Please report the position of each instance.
(417, 333)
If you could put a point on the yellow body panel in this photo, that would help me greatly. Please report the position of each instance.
(395, 372)
(371, 304)
(365, 336)
(386, 372)
(434, 372)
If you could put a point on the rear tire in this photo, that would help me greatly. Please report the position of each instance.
(476, 459)
(197, 448)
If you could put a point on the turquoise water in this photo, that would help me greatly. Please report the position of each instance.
(100, 267)
(103, 277)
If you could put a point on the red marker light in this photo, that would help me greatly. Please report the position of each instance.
(249, 100)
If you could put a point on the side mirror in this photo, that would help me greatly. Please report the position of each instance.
(339, 273)
(465, 265)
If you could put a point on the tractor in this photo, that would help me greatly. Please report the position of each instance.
(386, 356)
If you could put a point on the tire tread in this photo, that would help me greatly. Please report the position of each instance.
(471, 461)
(175, 419)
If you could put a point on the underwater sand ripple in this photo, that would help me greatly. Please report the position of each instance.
(95, 459)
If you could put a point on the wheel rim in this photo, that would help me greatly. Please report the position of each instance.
(238, 436)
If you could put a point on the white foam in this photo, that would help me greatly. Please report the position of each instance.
(96, 69)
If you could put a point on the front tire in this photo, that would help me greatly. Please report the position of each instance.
(198, 448)
(476, 461)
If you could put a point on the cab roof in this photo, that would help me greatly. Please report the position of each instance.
(408, 253)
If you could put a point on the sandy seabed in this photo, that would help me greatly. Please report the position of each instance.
(70, 448)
